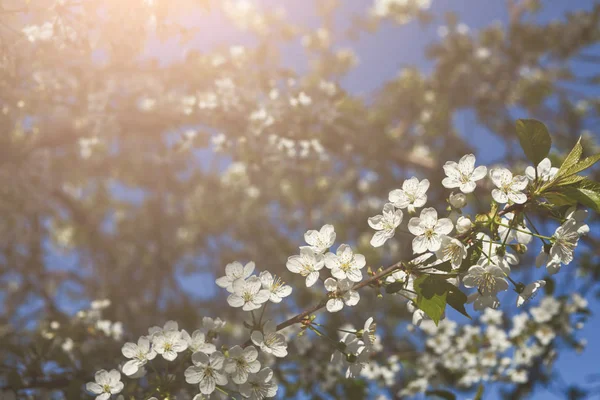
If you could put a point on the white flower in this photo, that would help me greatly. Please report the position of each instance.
(457, 200)
(276, 287)
(206, 371)
(463, 224)
(233, 272)
(345, 264)
(481, 302)
(428, 230)
(259, 386)
(529, 291)
(197, 342)
(579, 216)
(212, 326)
(545, 334)
(321, 240)
(565, 240)
(508, 187)
(168, 344)
(411, 196)
(453, 250)
(269, 340)
(517, 232)
(170, 326)
(248, 294)
(368, 333)
(342, 293)
(107, 384)
(488, 281)
(241, 362)
(140, 353)
(307, 264)
(385, 224)
(463, 175)
(545, 171)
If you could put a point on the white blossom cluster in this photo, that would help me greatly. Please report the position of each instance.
(490, 352)
(491, 273)
(473, 353)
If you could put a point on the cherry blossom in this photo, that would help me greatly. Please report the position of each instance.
(385, 224)
(463, 175)
(509, 188)
(428, 230)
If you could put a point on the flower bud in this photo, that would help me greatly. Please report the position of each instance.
(351, 358)
(463, 224)
(458, 200)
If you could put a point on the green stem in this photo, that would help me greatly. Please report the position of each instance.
(534, 228)
(528, 233)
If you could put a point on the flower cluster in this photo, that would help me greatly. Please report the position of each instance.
(450, 251)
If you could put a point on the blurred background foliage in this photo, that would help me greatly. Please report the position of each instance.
(135, 163)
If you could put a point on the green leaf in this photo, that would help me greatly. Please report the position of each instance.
(444, 394)
(394, 287)
(568, 180)
(583, 164)
(446, 266)
(457, 300)
(559, 199)
(473, 255)
(571, 160)
(534, 138)
(586, 192)
(434, 303)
